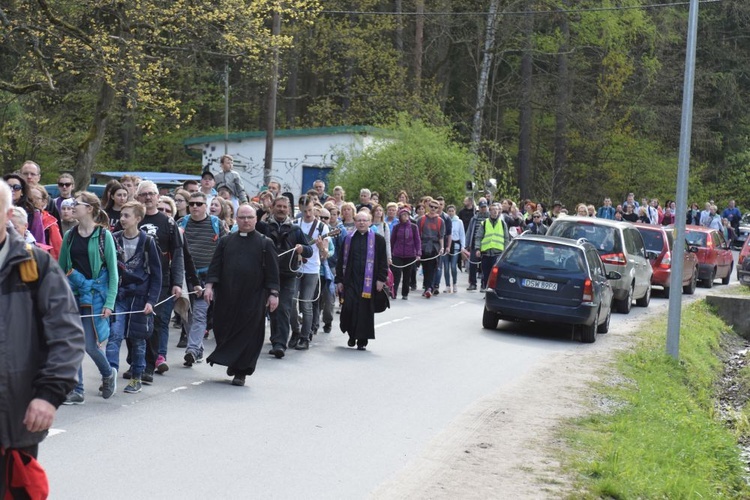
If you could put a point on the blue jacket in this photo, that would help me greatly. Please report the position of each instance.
(92, 293)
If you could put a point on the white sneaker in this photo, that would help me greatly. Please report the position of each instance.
(455, 289)
(447, 290)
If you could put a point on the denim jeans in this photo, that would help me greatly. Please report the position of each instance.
(308, 285)
(450, 267)
(473, 267)
(438, 272)
(138, 346)
(92, 349)
(280, 317)
(197, 327)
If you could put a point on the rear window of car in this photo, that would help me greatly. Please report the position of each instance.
(544, 256)
(696, 238)
(605, 239)
(654, 240)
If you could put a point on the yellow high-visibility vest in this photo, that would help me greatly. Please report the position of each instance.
(494, 236)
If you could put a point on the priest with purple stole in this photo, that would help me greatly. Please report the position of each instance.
(361, 271)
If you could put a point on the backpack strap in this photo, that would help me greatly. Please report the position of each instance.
(28, 269)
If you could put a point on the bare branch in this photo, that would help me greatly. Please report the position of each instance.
(23, 89)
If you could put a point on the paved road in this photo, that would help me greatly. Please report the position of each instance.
(331, 422)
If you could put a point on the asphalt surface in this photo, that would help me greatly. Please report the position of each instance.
(331, 422)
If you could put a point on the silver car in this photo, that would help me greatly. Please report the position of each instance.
(621, 248)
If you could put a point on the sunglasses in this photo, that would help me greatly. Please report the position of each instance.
(15, 187)
(64, 184)
(76, 203)
(324, 218)
(196, 203)
(433, 208)
(166, 210)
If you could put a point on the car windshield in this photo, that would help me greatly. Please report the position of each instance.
(604, 238)
(544, 256)
(654, 240)
(696, 238)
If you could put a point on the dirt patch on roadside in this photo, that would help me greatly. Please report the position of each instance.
(504, 445)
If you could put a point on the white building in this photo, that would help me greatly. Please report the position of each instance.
(300, 156)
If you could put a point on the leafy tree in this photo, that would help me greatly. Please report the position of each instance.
(409, 155)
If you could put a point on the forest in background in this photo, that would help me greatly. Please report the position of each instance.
(582, 98)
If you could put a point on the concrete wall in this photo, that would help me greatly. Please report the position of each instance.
(733, 309)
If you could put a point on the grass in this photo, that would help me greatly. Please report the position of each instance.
(665, 440)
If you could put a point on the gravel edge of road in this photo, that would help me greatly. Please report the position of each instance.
(506, 445)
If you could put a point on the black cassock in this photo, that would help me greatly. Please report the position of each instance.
(358, 313)
(242, 273)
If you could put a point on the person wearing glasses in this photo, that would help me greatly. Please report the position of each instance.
(536, 226)
(89, 259)
(20, 191)
(181, 197)
(65, 185)
(202, 233)
(163, 229)
(492, 238)
(432, 234)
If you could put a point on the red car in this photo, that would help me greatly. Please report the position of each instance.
(659, 243)
(743, 264)
(715, 259)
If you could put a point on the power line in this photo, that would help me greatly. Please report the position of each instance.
(519, 13)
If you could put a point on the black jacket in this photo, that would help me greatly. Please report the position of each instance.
(285, 236)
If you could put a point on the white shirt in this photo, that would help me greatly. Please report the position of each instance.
(312, 266)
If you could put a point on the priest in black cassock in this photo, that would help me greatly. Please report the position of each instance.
(361, 271)
(243, 279)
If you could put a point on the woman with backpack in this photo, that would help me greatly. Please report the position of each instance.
(88, 258)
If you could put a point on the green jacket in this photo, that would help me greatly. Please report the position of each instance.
(110, 256)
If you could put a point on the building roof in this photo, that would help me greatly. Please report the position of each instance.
(261, 134)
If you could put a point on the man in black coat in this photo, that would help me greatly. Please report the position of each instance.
(361, 272)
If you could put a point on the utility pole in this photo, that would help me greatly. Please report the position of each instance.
(271, 103)
(683, 169)
(226, 107)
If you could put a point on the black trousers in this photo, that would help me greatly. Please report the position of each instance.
(406, 272)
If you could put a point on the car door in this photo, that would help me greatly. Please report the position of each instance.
(724, 254)
(643, 270)
(601, 283)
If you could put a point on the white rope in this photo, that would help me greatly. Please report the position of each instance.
(137, 312)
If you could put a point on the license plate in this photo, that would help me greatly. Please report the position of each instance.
(541, 285)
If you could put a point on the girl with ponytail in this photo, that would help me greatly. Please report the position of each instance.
(89, 259)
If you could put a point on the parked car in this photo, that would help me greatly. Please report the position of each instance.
(659, 244)
(742, 234)
(53, 191)
(715, 259)
(743, 264)
(547, 279)
(621, 249)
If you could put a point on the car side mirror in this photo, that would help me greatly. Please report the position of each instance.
(613, 275)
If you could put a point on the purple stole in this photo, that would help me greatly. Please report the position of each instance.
(369, 262)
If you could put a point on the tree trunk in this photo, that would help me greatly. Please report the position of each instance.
(484, 74)
(399, 41)
(562, 109)
(418, 46)
(92, 143)
(524, 139)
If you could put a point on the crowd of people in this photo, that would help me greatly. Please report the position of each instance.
(205, 249)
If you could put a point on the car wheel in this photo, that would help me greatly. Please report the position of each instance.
(709, 282)
(489, 319)
(588, 332)
(689, 289)
(604, 327)
(624, 305)
(725, 280)
(666, 292)
(644, 301)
